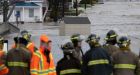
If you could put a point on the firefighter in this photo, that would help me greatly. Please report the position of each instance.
(77, 41)
(18, 59)
(68, 65)
(3, 68)
(111, 41)
(31, 46)
(125, 62)
(96, 61)
(42, 62)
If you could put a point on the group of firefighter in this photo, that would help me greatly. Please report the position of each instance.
(113, 58)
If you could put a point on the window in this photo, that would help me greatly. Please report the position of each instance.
(31, 12)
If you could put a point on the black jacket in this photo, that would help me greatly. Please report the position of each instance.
(67, 66)
(18, 61)
(96, 61)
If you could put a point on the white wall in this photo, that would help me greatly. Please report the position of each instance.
(25, 15)
(32, 19)
(13, 17)
(41, 11)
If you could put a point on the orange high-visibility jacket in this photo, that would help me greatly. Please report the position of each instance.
(40, 66)
(31, 47)
(3, 68)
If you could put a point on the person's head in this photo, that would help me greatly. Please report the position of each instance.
(124, 42)
(26, 35)
(67, 48)
(1, 42)
(111, 37)
(93, 40)
(76, 40)
(45, 42)
(20, 40)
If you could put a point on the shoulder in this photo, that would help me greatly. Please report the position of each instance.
(37, 53)
(30, 44)
(101, 49)
(60, 62)
(116, 53)
(133, 54)
(12, 50)
(115, 47)
(25, 50)
(87, 52)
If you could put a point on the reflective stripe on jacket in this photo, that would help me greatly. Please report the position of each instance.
(96, 62)
(125, 66)
(70, 71)
(17, 64)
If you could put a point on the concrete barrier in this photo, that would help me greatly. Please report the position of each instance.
(72, 25)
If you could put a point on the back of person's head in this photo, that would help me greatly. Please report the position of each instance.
(93, 40)
(76, 38)
(124, 42)
(111, 37)
(20, 40)
(67, 48)
(26, 35)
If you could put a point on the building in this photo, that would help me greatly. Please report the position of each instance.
(119, 0)
(27, 11)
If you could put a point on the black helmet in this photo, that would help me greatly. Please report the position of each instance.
(93, 38)
(25, 34)
(111, 35)
(76, 38)
(67, 47)
(123, 41)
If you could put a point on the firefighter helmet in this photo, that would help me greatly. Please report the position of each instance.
(25, 34)
(67, 47)
(93, 38)
(76, 38)
(111, 35)
(123, 41)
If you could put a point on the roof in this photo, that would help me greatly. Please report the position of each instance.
(26, 4)
(76, 20)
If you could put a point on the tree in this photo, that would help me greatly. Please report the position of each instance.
(5, 6)
(88, 1)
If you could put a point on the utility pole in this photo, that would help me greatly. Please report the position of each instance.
(85, 4)
(91, 2)
(63, 8)
(76, 8)
(5, 10)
